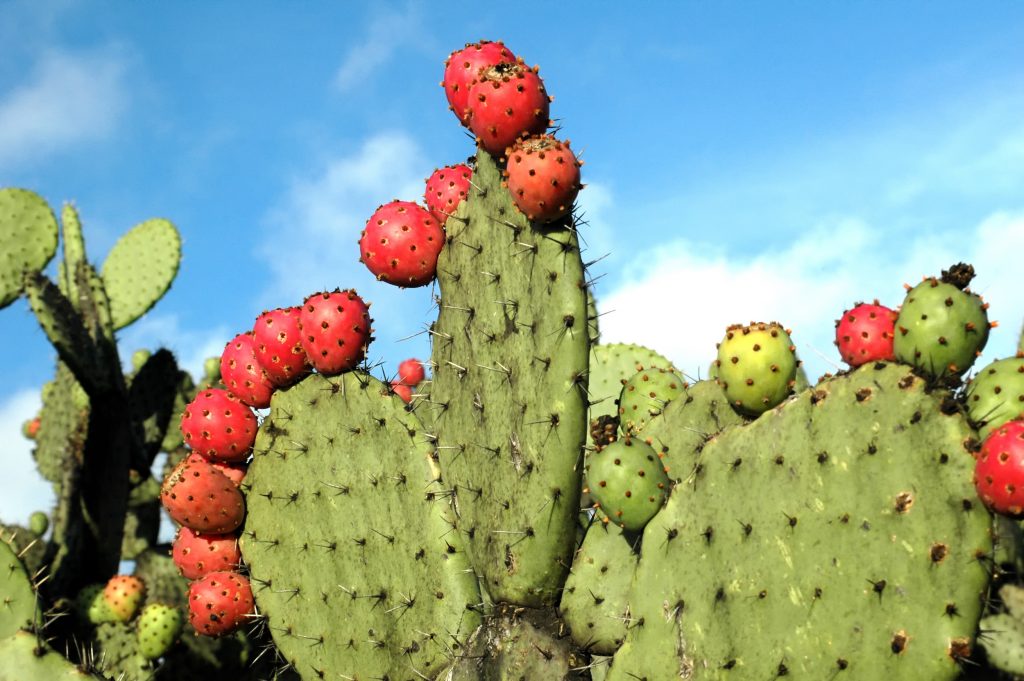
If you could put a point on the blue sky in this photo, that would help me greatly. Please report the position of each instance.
(743, 160)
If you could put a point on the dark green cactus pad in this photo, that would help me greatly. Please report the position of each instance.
(508, 401)
(17, 597)
(23, 657)
(140, 269)
(996, 394)
(349, 536)
(152, 396)
(645, 395)
(940, 329)
(117, 654)
(595, 602)
(28, 239)
(835, 537)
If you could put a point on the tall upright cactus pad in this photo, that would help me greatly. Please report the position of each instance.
(63, 423)
(140, 268)
(349, 536)
(17, 597)
(835, 537)
(508, 402)
(28, 239)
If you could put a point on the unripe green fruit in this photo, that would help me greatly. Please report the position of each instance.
(756, 366)
(158, 629)
(996, 394)
(644, 396)
(628, 481)
(38, 523)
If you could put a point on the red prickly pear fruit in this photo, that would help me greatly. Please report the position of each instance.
(865, 333)
(543, 176)
(235, 471)
(403, 391)
(411, 373)
(242, 372)
(197, 554)
(279, 346)
(123, 594)
(335, 330)
(219, 426)
(30, 429)
(999, 471)
(219, 603)
(202, 498)
(400, 244)
(446, 188)
(505, 102)
(461, 69)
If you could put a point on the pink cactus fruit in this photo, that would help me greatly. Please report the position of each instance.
(335, 330)
(505, 102)
(197, 554)
(865, 334)
(446, 188)
(219, 603)
(400, 244)
(999, 470)
(461, 69)
(242, 372)
(279, 346)
(234, 471)
(123, 594)
(217, 425)
(543, 176)
(200, 497)
(402, 390)
(411, 373)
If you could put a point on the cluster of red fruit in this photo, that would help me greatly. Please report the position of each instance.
(503, 102)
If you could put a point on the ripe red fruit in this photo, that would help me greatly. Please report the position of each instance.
(279, 346)
(217, 425)
(446, 188)
(30, 428)
(865, 334)
(235, 471)
(242, 372)
(999, 471)
(403, 391)
(197, 554)
(506, 101)
(219, 603)
(335, 330)
(202, 498)
(410, 372)
(543, 176)
(462, 66)
(400, 244)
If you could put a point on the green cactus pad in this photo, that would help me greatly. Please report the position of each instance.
(1002, 637)
(23, 657)
(612, 364)
(118, 652)
(28, 239)
(509, 395)
(645, 394)
(996, 394)
(140, 269)
(595, 602)
(17, 597)
(837, 536)
(628, 481)
(511, 647)
(349, 536)
(757, 366)
(63, 425)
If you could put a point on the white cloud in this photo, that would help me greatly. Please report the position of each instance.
(679, 299)
(387, 32)
(22, 489)
(68, 99)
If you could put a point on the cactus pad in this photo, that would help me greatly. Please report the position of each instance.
(837, 536)
(28, 239)
(17, 597)
(26, 658)
(140, 268)
(349, 537)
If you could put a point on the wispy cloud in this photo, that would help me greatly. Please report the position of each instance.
(67, 99)
(22, 489)
(388, 31)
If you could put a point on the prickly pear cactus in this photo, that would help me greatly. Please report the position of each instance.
(28, 239)
(27, 658)
(349, 536)
(140, 268)
(836, 534)
(1002, 634)
(17, 597)
(996, 394)
(508, 401)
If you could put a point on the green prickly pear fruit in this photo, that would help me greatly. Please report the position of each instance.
(756, 366)
(38, 523)
(91, 607)
(645, 395)
(123, 594)
(942, 327)
(628, 481)
(158, 629)
(996, 394)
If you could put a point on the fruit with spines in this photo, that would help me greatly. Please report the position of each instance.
(197, 554)
(217, 425)
(999, 471)
(402, 390)
(628, 481)
(335, 328)
(400, 244)
(411, 372)
(645, 394)
(942, 327)
(219, 603)
(202, 498)
(756, 366)
(242, 372)
(462, 67)
(279, 346)
(543, 176)
(158, 628)
(123, 594)
(995, 394)
(505, 102)
(446, 188)
(865, 334)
